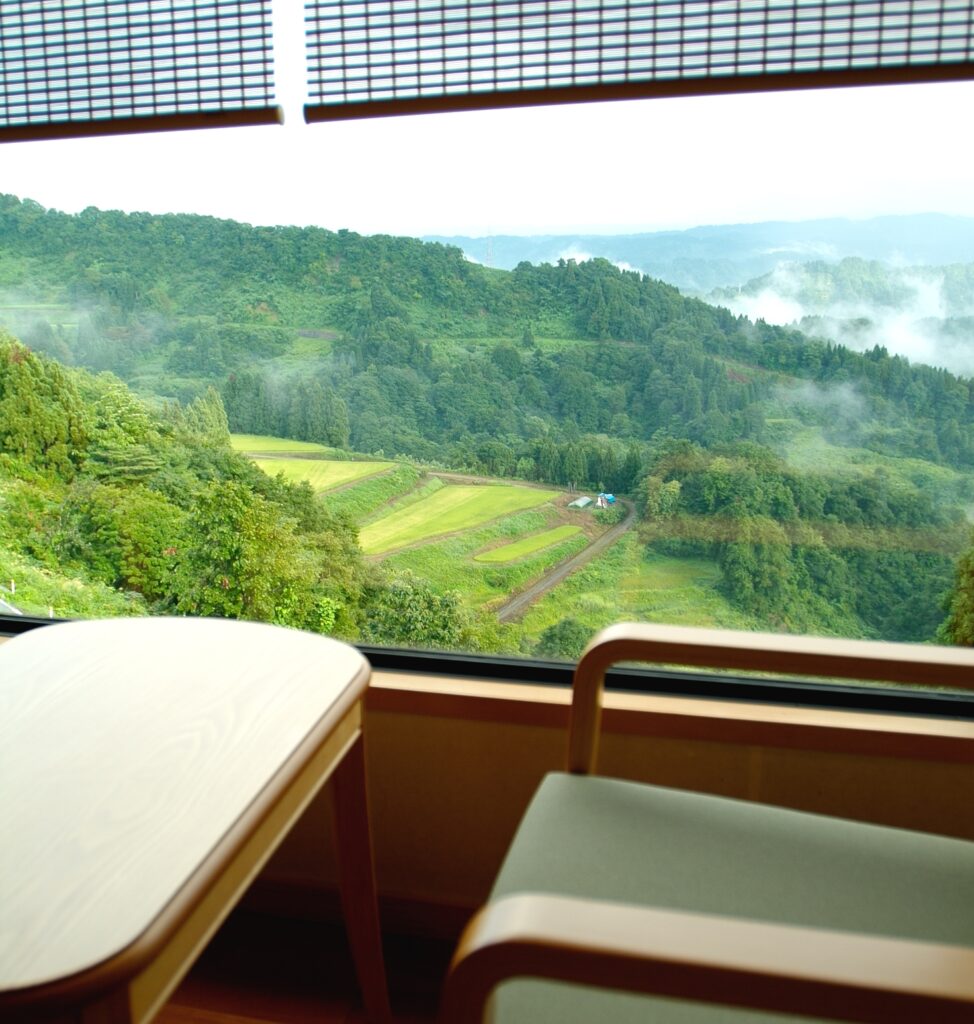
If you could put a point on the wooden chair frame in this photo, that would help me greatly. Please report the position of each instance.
(733, 962)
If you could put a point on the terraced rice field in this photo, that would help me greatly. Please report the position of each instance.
(262, 443)
(452, 508)
(322, 474)
(527, 546)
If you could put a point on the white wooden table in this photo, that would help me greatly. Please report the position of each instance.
(148, 769)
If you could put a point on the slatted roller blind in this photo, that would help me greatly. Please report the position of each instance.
(81, 68)
(367, 57)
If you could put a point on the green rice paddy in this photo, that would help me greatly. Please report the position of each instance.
(448, 562)
(322, 474)
(361, 500)
(527, 546)
(487, 541)
(262, 443)
(452, 508)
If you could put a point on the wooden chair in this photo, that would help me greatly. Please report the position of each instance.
(623, 902)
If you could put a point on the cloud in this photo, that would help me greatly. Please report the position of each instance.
(816, 250)
(581, 256)
(767, 305)
(836, 403)
(911, 317)
(574, 253)
(839, 410)
(624, 266)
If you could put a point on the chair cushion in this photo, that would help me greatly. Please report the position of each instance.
(622, 841)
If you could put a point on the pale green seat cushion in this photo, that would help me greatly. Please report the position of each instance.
(626, 842)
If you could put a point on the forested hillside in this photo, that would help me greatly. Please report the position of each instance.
(576, 374)
(107, 507)
(176, 303)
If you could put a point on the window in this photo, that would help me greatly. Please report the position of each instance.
(717, 349)
(74, 68)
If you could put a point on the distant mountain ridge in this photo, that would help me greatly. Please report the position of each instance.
(701, 259)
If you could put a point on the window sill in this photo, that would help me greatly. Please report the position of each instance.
(690, 718)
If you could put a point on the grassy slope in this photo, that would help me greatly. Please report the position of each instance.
(626, 584)
(40, 590)
(367, 498)
(808, 452)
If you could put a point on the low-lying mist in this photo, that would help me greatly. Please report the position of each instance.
(925, 314)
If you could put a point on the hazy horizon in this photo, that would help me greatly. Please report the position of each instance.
(602, 168)
(607, 232)
(699, 227)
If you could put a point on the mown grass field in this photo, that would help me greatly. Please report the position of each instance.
(454, 507)
(322, 474)
(262, 443)
(527, 546)
(626, 584)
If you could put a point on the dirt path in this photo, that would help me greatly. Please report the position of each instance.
(519, 604)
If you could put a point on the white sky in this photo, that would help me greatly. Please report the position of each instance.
(606, 167)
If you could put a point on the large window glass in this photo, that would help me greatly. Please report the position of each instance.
(490, 381)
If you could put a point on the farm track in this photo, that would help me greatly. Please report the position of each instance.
(310, 456)
(520, 603)
(468, 478)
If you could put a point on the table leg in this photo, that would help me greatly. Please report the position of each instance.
(357, 881)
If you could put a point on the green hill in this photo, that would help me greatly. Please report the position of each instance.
(573, 374)
(395, 346)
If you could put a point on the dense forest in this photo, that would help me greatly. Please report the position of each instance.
(143, 339)
(158, 508)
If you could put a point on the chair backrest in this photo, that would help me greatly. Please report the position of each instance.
(779, 653)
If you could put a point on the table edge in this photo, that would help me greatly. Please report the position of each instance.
(124, 965)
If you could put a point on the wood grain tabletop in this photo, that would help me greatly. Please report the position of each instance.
(128, 748)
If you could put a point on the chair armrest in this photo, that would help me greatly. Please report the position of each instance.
(756, 652)
(705, 958)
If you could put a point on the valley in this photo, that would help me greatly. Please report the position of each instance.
(375, 437)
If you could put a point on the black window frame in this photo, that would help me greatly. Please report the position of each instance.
(743, 689)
